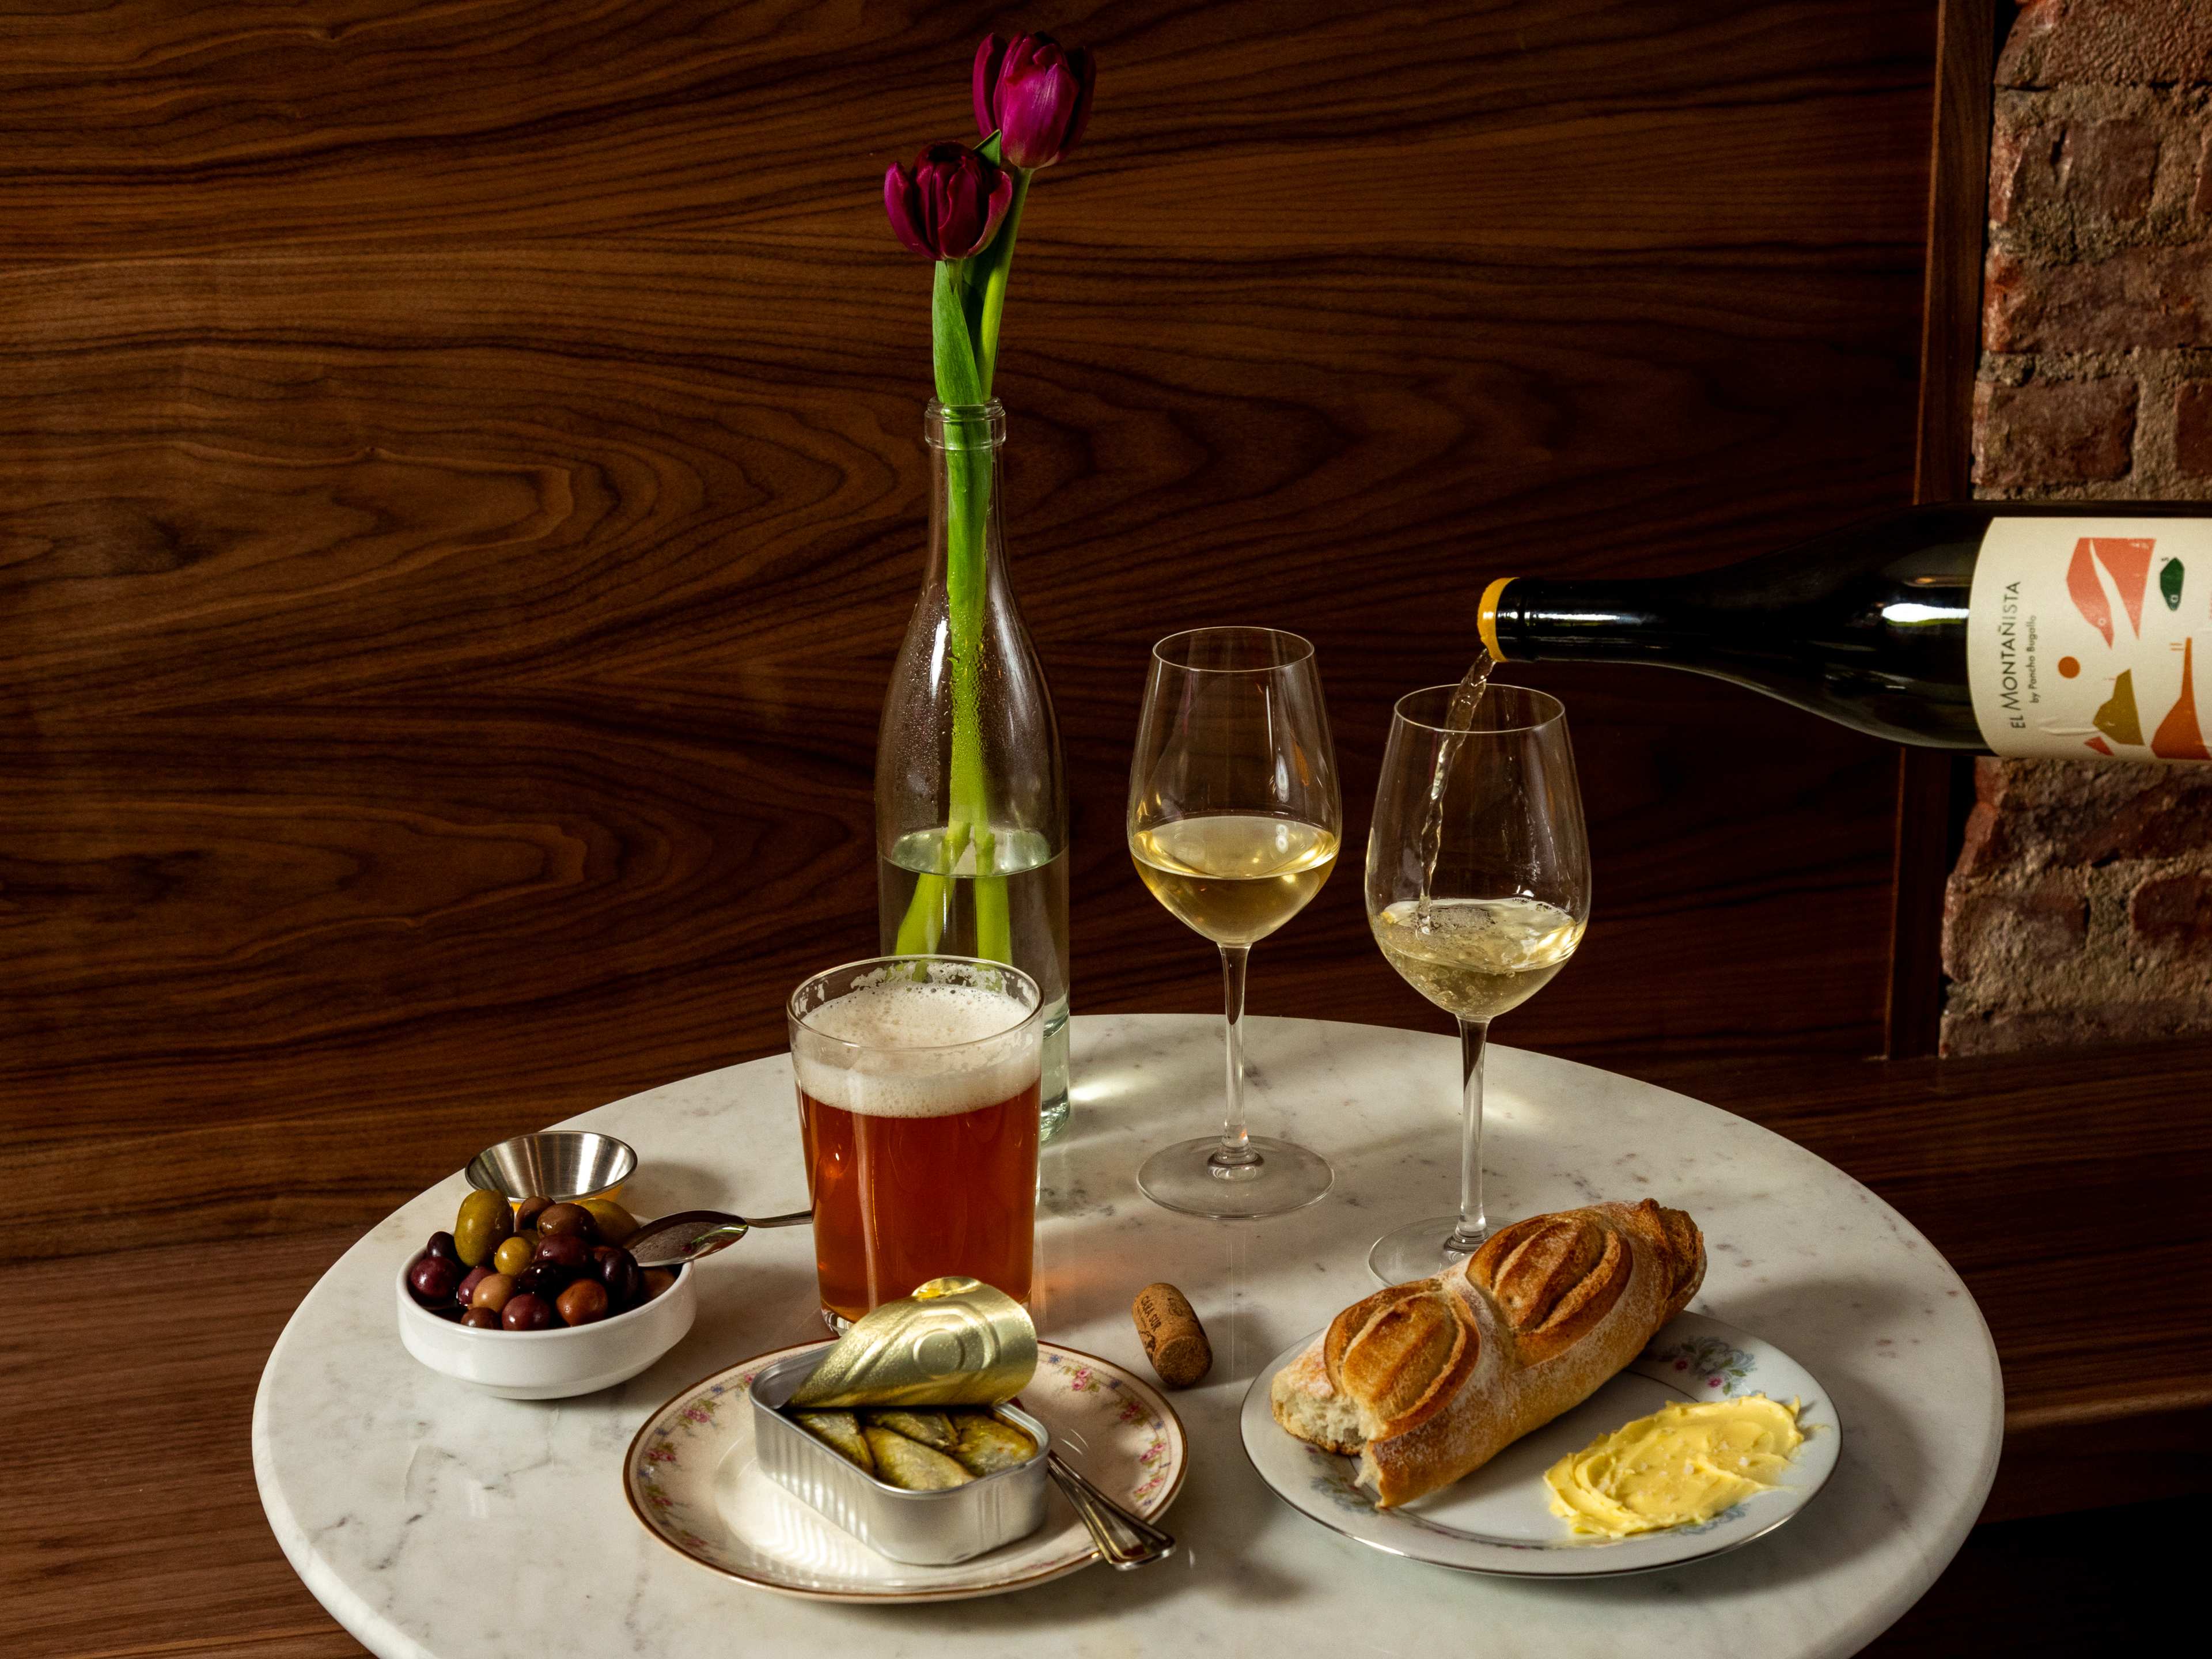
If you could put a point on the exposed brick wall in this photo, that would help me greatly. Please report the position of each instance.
(2081, 910)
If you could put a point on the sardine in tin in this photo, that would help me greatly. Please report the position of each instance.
(923, 1528)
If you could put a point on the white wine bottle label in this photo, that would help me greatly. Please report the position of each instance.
(2092, 638)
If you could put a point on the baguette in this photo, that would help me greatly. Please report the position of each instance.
(1425, 1382)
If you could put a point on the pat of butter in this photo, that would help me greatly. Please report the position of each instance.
(1682, 1464)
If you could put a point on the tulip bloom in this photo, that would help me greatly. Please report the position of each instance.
(1034, 94)
(948, 205)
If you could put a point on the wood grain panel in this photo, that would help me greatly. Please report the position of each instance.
(438, 711)
(1950, 357)
(460, 495)
(148, 1537)
(151, 128)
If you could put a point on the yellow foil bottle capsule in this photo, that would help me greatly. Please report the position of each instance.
(1486, 618)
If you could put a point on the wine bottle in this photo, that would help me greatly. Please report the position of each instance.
(2056, 630)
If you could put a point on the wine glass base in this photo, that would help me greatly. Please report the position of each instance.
(1416, 1251)
(1287, 1177)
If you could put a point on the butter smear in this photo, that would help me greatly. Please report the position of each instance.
(1682, 1464)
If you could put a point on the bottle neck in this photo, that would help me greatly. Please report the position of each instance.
(963, 442)
(1527, 619)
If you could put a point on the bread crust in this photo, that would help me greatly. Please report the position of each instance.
(1401, 1357)
(1355, 1319)
(1546, 1311)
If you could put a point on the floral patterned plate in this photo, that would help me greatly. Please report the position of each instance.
(692, 1480)
(1499, 1520)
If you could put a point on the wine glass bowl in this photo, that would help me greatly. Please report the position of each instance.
(1478, 891)
(1234, 822)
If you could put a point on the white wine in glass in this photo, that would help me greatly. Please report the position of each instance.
(1477, 891)
(1234, 878)
(1477, 958)
(1234, 823)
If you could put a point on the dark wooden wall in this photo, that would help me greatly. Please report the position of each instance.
(460, 491)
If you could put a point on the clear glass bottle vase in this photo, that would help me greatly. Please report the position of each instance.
(971, 793)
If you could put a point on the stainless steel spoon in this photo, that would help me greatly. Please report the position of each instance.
(689, 1234)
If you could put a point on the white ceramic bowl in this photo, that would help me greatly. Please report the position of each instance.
(548, 1364)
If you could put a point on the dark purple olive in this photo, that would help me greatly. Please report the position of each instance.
(619, 1271)
(433, 1280)
(568, 1219)
(528, 1313)
(584, 1302)
(528, 1210)
(481, 1319)
(441, 1246)
(569, 1252)
(466, 1288)
(541, 1280)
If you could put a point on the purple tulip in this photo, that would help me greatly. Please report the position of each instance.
(948, 204)
(1034, 94)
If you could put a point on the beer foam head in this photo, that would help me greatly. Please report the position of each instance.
(902, 1049)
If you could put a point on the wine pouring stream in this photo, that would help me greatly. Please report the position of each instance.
(1459, 720)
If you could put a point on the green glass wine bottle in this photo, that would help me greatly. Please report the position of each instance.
(2060, 631)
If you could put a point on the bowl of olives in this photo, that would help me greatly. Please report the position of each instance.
(539, 1300)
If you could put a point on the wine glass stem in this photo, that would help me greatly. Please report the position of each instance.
(1234, 1159)
(1473, 1034)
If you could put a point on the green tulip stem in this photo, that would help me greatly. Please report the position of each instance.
(967, 576)
(998, 260)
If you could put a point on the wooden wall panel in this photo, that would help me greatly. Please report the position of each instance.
(460, 491)
(1931, 780)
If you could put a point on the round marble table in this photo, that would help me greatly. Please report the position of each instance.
(433, 1520)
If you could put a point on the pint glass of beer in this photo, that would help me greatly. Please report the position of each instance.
(918, 1105)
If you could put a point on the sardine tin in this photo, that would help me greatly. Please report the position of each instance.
(923, 1528)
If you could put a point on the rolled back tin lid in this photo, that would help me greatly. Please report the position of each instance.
(953, 1342)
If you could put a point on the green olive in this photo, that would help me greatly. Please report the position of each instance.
(484, 1223)
(513, 1255)
(615, 1224)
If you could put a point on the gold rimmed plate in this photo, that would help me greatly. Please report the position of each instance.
(694, 1483)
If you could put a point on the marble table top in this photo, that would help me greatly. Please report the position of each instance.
(433, 1521)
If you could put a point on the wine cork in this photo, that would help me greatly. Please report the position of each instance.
(1174, 1340)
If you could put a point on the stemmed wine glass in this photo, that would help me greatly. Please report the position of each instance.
(1478, 891)
(1234, 822)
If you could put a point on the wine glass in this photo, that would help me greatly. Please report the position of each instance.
(1478, 891)
(1234, 822)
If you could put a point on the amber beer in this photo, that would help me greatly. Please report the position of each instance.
(917, 1081)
